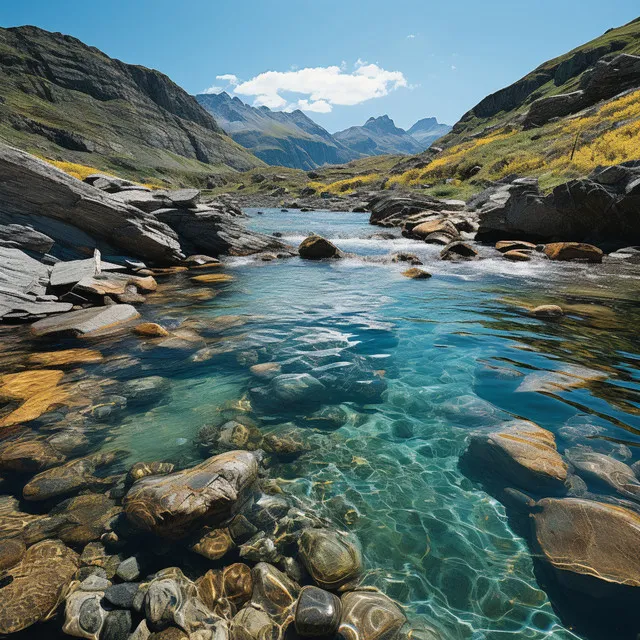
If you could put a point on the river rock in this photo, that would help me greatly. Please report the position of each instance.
(369, 615)
(175, 504)
(274, 593)
(416, 274)
(61, 203)
(266, 370)
(86, 322)
(226, 591)
(76, 521)
(150, 330)
(517, 256)
(585, 539)
(143, 469)
(286, 441)
(601, 469)
(514, 245)
(458, 251)
(38, 585)
(573, 251)
(171, 599)
(547, 311)
(28, 455)
(15, 523)
(68, 478)
(317, 248)
(317, 613)
(143, 391)
(84, 615)
(439, 231)
(117, 625)
(251, 623)
(11, 552)
(213, 544)
(521, 454)
(332, 558)
(297, 389)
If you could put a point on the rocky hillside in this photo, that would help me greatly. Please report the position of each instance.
(562, 121)
(281, 139)
(379, 136)
(64, 100)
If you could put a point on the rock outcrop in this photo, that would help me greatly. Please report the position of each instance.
(601, 208)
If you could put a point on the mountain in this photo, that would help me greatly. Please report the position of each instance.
(560, 122)
(427, 131)
(62, 99)
(279, 138)
(378, 136)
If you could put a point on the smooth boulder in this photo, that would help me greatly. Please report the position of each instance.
(175, 504)
(317, 248)
(566, 251)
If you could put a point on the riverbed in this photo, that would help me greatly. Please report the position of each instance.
(412, 367)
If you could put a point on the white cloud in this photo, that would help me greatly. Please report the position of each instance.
(229, 78)
(411, 36)
(319, 106)
(214, 89)
(323, 87)
(453, 67)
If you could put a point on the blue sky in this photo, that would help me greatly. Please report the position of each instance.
(347, 60)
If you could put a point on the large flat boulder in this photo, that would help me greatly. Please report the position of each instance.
(33, 188)
(586, 539)
(214, 230)
(86, 322)
(174, 505)
(520, 455)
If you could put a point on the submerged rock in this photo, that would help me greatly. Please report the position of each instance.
(150, 330)
(586, 540)
(143, 469)
(521, 455)
(175, 504)
(317, 613)
(369, 615)
(548, 311)
(332, 558)
(68, 478)
(603, 470)
(87, 321)
(317, 248)
(38, 585)
(274, 592)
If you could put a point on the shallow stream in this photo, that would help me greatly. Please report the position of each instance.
(431, 360)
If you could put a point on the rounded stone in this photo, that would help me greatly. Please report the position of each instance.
(332, 558)
(317, 613)
(117, 625)
(317, 248)
(237, 583)
(517, 256)
(252, 624)
(122, 595)
(416, 274)
(368, 615)
(150, 330)
(11, 552)
(547, 311)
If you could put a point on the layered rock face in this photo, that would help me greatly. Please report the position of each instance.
(600, 208)
(46, 213)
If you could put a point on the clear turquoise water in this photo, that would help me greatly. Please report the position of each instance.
(457, 354)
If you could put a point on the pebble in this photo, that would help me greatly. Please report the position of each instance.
(129, 569)
(94, 583)
(122, 595)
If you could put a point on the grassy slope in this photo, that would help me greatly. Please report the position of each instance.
(113, 125)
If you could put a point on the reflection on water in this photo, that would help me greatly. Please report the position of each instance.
(414, 366)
